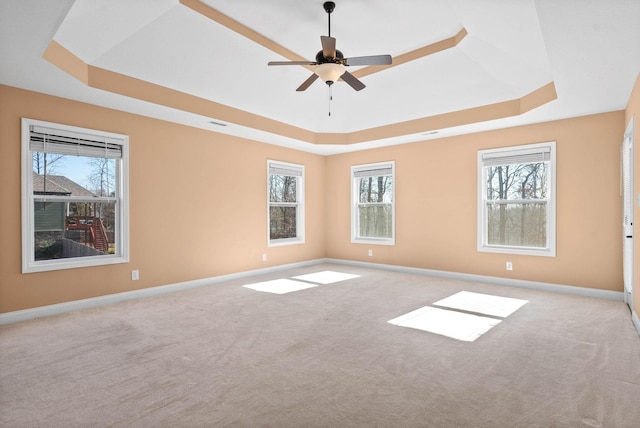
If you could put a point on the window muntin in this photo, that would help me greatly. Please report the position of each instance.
(373, 208)
(285, 192)
(74, 197)
(516, 212)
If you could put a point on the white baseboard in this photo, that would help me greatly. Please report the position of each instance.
(76, 305)
(543, 286)
(636, 321)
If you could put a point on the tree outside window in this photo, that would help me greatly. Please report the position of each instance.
(285, 190)
(373, 203)
(283, 207)
(517, 209)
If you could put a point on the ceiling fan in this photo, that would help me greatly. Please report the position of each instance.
(330, 63)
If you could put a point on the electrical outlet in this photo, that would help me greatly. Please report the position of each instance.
(509, 266)
(135, 275)
(264, 257)
(370, 253)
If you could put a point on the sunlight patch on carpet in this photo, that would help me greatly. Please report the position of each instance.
(485, 304)
(456, 325)
(326, 277)
(280, 286)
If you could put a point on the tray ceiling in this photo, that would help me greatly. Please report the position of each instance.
(459, 66)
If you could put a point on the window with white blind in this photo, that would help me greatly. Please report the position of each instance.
(285, 200)
(516, 200)
(372, 203)
(74, 197)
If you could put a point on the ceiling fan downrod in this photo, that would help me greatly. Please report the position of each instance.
(329, 6)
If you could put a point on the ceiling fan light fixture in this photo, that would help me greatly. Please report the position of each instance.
(329, 72)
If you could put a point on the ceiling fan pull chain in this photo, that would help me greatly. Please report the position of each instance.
(330, 98)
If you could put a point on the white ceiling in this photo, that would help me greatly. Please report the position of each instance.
(589, 49)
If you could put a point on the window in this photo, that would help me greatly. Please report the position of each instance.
(285, 195)
(516, 200)
(74, 197)
(373, 207)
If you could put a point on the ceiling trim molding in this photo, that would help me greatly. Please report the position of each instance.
(65, 60)
(222, 19)
(540, 96)
(501, 110)
(107, 80)
(427, 50)
(136, 88)
(117, 83)
(233, 25)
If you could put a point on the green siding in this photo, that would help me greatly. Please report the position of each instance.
(49, 216)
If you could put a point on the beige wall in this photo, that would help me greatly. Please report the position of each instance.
(201, 212)
(197, 202)
(436, 188)
(633, 110)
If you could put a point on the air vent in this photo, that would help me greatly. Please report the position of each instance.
(213, 122)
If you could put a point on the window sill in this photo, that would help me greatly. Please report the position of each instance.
(282, 242)
(373, 241)
(544, 252)
(60, 264)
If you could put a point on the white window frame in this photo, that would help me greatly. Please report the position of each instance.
(121, 255)
(535, 152)
(371, 168)
(295, 170)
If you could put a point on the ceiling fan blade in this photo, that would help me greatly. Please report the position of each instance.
(369, 60)
(352, 81)
(291, 63)
(307, 82)
(328, 46)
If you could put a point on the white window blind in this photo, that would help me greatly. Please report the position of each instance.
(287, 170)
(62, 142)
(510, 157)
(373, 172)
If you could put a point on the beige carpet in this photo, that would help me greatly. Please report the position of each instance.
(228, 355)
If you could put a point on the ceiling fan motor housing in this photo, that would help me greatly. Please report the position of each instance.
(321, 59)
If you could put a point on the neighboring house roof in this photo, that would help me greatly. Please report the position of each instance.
(58, 185)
